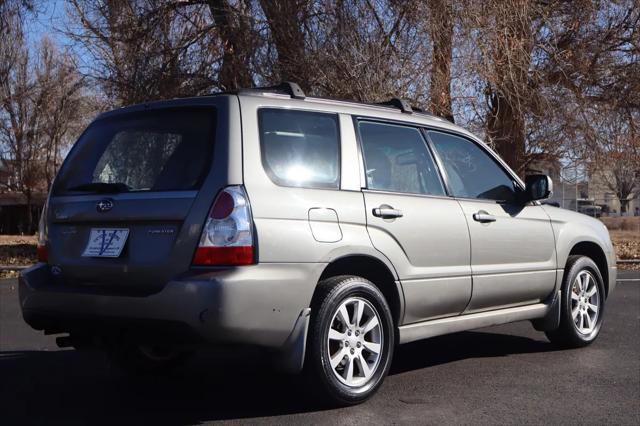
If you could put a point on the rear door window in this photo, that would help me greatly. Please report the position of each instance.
(158, 150)
(397, 159)
(300, 148)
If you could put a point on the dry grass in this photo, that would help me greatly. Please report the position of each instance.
(625, 234)
(631, 224)
(16, 250)
(627, 245)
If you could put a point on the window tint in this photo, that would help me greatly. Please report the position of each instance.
(144, 151)
(471, 172)
(300, 148)
(397, 159)
(136, 158)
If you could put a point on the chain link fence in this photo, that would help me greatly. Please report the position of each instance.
(576, 192)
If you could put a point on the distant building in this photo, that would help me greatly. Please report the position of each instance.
(565, 194)
(605, 197)
(14, 214)
(589, 195)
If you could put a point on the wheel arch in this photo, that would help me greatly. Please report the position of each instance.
(374, 270)
(596, 253)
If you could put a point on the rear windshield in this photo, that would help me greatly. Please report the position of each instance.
(161, 150)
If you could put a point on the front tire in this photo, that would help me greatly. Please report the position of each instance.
(582, 304)
(351, 339)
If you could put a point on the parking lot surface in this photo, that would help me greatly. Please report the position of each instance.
(506, 374)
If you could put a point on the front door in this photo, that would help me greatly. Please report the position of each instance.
(513, 258)
(413, 222)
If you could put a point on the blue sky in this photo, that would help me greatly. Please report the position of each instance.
(49, 17)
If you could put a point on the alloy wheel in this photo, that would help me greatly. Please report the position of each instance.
(585, 302)
(355, 341)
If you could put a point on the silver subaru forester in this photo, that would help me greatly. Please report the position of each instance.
(323, 231)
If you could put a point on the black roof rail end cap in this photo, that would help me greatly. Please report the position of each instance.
(293, 89)
(290, 88)
(401, 104)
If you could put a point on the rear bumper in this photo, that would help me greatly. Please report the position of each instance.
(258, 305)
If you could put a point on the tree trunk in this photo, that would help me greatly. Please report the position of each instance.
(29, 215)
(441, 26)
(506, 130)
(283, 17)
(508, 88)
(236, 35)
(623, 205)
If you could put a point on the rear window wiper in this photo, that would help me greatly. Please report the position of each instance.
(109, 188)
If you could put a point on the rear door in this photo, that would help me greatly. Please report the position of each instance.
(413, 222)
(513, 257)
(128, 205)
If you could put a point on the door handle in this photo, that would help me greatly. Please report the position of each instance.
(483, 217)
(387, 212)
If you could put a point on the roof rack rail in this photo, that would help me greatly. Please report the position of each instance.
(293, 89)
(401, 104)
(290, 88)
(405, 107)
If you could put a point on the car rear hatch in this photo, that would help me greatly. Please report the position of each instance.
(127, 207)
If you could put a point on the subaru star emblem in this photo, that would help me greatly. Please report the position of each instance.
(104, 205)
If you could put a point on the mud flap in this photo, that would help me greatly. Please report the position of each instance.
(551, 320)
(291, 358)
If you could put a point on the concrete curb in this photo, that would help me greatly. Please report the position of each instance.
(12, 267)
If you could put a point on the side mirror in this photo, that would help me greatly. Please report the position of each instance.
(538, 187)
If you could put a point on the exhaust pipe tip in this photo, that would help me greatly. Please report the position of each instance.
(76, 342)
(64, 342)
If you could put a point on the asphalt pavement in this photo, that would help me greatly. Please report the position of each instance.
(507, 374)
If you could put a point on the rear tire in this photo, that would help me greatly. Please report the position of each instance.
(582, 304)
(349, 357)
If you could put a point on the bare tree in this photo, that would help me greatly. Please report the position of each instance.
(19, 115)
(65, 106)
(146, 50)
(543, 66)
(369, 51)
(593, 51)
(530, 75)
(39, 104)
(506, 39)
(587, 58)
(616, 160)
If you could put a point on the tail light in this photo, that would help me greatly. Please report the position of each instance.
(227, 236)
(42, 252)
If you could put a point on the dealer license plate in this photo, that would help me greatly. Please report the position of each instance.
(106, 242)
